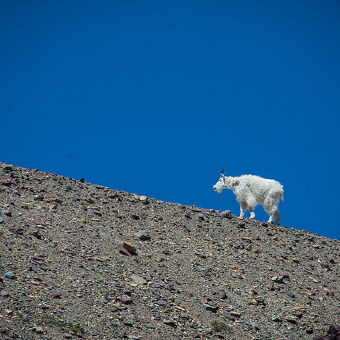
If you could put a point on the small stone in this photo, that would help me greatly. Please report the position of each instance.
(139, 280)
(278, 279)
(163, 304)
(255, 327)
(8, 167)
(230, 317)
(68, 336)
(6, 212)
(127, 292)
(295, 259)
(122, 250)
(38, 222)
(170, 323)
(292, 295)
(68, 187)
(10, 275)
(16, 230)
(56, 295)
(36, 234)
(38, 197)
(260, 300)
(222, 295)
(211, 308)
(300, 309)
(195, 334)
(237, 314)
(226, 214)
(142, 235)
(129, 247)
(297, 314)
(123, 334)
(276, 319)
(135, 217)
(284, 275)
(4, 293)
(245, 238)
(126, 300)
(9, 333)
(241, 225)
(38, 330)
(144, 199)
(324, 265)
(270, 286)
(38, 258)
(291, 320)
(333, 333)
(94, 211)
(2, 220)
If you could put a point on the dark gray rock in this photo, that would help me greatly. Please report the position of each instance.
(143, 235)
(226, 214)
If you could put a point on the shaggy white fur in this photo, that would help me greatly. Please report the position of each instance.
(252, 190)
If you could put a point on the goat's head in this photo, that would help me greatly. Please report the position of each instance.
(221, 184)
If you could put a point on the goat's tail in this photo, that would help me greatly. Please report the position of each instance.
(281, 196)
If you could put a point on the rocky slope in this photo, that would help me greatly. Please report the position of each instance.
(84, 261)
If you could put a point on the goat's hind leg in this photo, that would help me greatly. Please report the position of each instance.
(252, 214)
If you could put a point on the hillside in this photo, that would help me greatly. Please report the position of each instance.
(79, 260)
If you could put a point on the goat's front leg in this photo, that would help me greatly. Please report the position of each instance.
(275, 214)
(243, 208)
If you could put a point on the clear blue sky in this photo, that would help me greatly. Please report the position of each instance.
(157, 97)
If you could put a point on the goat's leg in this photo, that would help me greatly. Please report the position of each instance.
(274, 214)
(243, 208)
(269, 212)
(277, 218)
(252, 214)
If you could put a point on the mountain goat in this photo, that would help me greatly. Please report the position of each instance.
(252, 190)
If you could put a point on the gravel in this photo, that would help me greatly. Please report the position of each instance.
(84, 261)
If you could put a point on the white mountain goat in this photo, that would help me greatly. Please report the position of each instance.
(252, 190)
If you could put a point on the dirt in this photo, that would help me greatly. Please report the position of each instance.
(79, 260)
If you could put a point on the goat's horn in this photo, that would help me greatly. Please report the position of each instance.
(222, 171)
